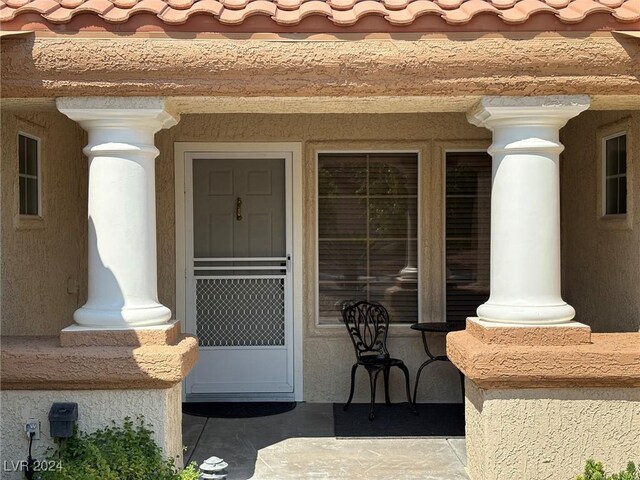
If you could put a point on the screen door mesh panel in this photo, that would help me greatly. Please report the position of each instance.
(233, 312)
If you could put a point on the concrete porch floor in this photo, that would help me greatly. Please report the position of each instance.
(301, 444)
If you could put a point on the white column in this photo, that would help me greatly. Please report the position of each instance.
(525, 206)
(122, 276)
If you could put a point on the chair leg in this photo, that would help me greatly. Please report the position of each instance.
(405, 370)
(353, 381)
(373, 378)
(387, 398)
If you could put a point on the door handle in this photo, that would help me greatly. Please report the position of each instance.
(238, 208)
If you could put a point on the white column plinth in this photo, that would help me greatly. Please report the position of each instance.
(525, 206)
(122, 276)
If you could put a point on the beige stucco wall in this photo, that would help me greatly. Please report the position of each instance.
(40, 258)
(328, 354)
(536, 434)
(600, 257)
(160, 408)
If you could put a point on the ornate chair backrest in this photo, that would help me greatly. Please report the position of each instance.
(367, 324)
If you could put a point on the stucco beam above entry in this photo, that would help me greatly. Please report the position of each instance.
(431, 67)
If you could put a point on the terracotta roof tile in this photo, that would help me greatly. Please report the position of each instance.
(629, 11)
(180, 4)
(521, 11)
(151, 6)
(16, 3)
(292, 17)
(125, 3)
(235, 4)
(175, 16)
(341, 4)
(362, 8)
(341, 13)
(255, 7)
(395, 4)
(315, 7)
(212, 7)
(449, 4)
(504, 3)
(286, 17)
(558, 3)
(468, 10)
(289, 4)
(40, 6)
(414, 10)
(121, 15)
(7, 13)
(115, 15)
(612, 3)
(61, 15)
(95, 6)
(578, 10)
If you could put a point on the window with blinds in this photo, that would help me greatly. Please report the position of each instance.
(615, 174)
(468, 220)
(29, 174)
(368, 233)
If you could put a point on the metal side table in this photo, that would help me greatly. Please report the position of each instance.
(435, 327)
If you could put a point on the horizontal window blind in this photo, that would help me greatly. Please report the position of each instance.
(468, 221)
(28, 174)
(367, 233)
(616, 175)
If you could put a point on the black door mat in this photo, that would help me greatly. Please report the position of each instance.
(236, 409)
(434, 420)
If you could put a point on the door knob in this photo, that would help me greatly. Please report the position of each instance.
(238, 208)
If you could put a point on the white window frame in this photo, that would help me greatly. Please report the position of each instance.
(37, 177)
(445, 152)
(604, 177)
(418, 154)
(603, 133)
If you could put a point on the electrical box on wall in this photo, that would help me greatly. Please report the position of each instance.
(62, 418)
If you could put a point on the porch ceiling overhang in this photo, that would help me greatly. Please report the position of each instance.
(318, 15)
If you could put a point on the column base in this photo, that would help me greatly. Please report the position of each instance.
(541, 400)
(531, 434)
(526, 314)
(110, 361)
(81, 336)
(154, 314)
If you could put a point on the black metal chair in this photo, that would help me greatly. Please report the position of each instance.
(368, 324)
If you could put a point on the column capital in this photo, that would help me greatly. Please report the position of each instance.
(553, 110)
(90, 112)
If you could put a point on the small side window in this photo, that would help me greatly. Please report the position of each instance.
(614, 165)
(29, 174)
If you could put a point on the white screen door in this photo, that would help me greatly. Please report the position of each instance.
(239, 274)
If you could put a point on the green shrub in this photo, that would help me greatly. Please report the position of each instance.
(114, 453)
(595, 471)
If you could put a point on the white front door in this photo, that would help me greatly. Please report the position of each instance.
(238, 294)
